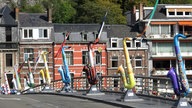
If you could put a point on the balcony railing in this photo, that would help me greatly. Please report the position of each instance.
(150, 86)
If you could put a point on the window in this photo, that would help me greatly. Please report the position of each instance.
(98, 57)
(188, 65)
(114, 61)
(179, 13)
(186, 47)
(138, 61)
(85, 57)
(128, 43)
(84, 36)
(28, 53)
(188, 13)
(69, 57)
(171, 13)
(9, 60)
(154, 29)
(28, 33)
(165, 48)
(161, 64)
(137, 44)
(65, 34)
(43, 33)
(83, 74)
(8, 34)
(114, 43)
(164, 29)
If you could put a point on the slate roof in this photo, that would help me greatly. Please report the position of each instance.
(7, 16)
(112, 30)
(33, 20)
(160, 12)
(120, 31)
(76, 27)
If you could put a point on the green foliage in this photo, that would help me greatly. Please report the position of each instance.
(36, 8)
(93, 12)
(63, 12)
(88, 11)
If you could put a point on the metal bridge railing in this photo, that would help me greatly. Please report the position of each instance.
(151, 86)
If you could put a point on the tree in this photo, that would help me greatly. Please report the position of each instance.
(63, 11)
(92, 11)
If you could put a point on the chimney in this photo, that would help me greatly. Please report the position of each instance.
(133, 15)
(140, 11)
(16, 14)
(49, 15)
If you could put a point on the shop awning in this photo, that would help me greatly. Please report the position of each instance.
(163, 23)
(185, 23)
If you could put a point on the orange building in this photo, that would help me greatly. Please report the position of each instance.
(77, 56)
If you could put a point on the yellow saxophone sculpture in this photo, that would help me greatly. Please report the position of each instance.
(131, 83)
(45, 71)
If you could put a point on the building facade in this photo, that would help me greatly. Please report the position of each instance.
(168, 21)
(8, 44)
(137, 50)
(77, 56)
(35, 35)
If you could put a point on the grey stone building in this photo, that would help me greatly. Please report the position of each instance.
(8, 43)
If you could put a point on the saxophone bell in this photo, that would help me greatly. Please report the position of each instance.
(174, 79)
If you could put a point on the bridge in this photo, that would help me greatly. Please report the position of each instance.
(151, 92)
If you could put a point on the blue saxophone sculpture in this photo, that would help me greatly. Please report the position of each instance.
(64, 71)
(180, 83)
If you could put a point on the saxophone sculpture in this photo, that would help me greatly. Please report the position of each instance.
(131, 83)
(64, 70)
(6, 88)
(30, 75)
(180, 84)
(16, 78)
(45, 71)
(90, 69)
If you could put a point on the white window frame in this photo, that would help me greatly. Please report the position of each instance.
(69, 57)
(130, 44)
(85, 56)
(114, 40)
(28, 54)
(136, 41)
(114, 60)
(138, 60)
(42, 34)
(27, 29)
(98, 54)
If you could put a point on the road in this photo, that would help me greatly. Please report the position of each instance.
(48, 101)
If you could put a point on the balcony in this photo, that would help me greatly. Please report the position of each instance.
(164, 72)
(158, 36)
